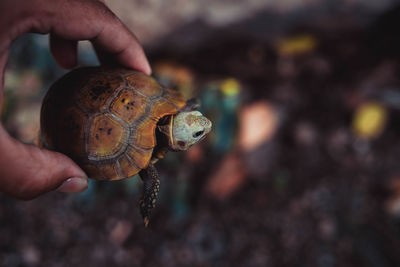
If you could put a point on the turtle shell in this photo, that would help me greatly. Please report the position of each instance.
(105, 119)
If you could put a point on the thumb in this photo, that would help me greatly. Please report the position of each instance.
(28, 171)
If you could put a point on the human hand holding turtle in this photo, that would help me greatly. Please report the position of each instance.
(25, 170)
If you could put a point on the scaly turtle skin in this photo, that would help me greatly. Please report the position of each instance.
(116, 123)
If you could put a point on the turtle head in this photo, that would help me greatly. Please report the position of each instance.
(187, 128)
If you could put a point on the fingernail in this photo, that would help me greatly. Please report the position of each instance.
(73, 185)
(148, 71)
(147, 68)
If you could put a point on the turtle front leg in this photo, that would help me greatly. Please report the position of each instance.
(151, 187)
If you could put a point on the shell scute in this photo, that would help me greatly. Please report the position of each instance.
(162, 108)
(143, 83)
(70, 129)
(128, 105)
(128, 169)
(140, 157)
(175, 97)
(98, 91)
(110, 170)
(92, 171)
(106, 137)
(143, 135)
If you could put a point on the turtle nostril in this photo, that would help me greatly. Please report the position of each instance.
(197, 134)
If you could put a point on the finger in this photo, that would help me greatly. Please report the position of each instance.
(115, 43)
(3, 61)
(92, 20)
(28, 171)
(64, 51)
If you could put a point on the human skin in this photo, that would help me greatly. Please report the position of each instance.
(27, 171)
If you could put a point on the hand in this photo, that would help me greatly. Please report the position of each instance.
(25, 170)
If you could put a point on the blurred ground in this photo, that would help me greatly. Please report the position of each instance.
(155, 18)
(301, 168)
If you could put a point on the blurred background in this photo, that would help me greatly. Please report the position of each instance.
(301, 168)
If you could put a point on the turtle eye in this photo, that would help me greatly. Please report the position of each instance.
(197, 134)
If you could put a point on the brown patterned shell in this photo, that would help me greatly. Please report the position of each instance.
(105, 119)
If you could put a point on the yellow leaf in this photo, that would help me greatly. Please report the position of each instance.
(369, 120)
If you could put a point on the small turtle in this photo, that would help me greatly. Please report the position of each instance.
(115, 123)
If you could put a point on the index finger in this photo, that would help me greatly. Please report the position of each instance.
(117, 42)
(92, 20)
